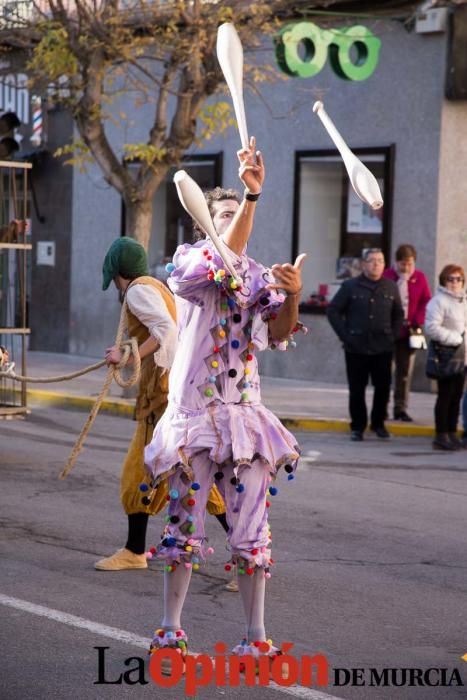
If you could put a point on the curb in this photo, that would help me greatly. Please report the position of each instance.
(125, 408)
(112, 407)
(337, 425)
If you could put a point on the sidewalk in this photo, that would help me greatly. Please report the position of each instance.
(301, 405)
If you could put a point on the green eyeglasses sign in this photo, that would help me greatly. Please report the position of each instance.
(317, 43)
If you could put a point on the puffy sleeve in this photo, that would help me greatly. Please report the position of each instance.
(150, 309)
(434, 324)
(267, 305)
(198, 268)
(266, 308)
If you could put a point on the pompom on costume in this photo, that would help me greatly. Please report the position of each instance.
(215, 429)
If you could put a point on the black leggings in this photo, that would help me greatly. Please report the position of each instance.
(448, 403)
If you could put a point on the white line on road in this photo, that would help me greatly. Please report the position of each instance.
(74, 621)
(133, 639)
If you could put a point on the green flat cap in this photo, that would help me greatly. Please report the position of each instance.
(125, 257)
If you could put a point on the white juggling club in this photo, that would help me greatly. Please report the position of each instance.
(193, 201)
(230, 57)
(362, 180)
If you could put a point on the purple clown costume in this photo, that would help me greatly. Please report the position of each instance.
(215, 428)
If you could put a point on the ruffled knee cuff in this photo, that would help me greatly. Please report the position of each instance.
(258, 558)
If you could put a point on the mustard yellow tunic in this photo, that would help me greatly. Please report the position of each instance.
(151, 403)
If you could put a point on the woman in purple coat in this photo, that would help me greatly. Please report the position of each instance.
(415, 295)
(215, 428)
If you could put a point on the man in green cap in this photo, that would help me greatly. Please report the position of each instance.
(151, 319)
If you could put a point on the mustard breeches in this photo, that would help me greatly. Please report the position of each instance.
(134, 474)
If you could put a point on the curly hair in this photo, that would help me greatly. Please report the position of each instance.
(218, 194)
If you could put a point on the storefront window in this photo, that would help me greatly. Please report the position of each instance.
(332, 225)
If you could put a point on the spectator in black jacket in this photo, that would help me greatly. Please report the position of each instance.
(367, 315)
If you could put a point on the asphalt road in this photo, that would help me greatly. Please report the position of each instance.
(371, 567)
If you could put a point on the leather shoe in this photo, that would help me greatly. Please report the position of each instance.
(381, 433)
(442, 442)
(403, 416)
(455, 441)
(356, 436)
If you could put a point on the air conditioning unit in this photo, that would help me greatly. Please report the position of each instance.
(431, 21)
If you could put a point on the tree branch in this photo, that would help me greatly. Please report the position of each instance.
(89, 122)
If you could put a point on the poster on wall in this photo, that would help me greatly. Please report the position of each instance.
(360, 217)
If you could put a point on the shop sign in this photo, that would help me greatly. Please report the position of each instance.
(302, 49)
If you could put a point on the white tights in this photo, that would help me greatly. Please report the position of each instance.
(252, 590)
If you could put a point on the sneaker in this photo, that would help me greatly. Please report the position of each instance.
(232, 585)
(356, 435)
(121, 560)
(403, 416)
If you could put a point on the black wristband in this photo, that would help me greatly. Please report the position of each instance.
(250, 197)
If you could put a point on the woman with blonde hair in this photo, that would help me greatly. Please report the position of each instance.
(446, 325)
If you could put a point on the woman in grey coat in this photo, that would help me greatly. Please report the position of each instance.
(446, 323)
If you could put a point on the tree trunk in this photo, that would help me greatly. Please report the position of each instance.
(139, 221)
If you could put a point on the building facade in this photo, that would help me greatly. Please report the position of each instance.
(397, 120)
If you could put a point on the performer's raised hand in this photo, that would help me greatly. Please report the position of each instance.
(288, 276)
(251, 171)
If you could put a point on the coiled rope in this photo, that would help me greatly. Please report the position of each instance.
(128, 348)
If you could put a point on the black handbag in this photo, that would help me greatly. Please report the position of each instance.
(444, 361)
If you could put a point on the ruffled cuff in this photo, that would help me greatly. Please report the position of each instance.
(256, 649)
(188, 554)
(246, 563)
(176, 639)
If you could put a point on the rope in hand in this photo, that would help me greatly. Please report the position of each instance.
(128, 348)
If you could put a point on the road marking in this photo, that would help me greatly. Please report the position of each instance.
(310, 456)
(133, 639)
(75, 621)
